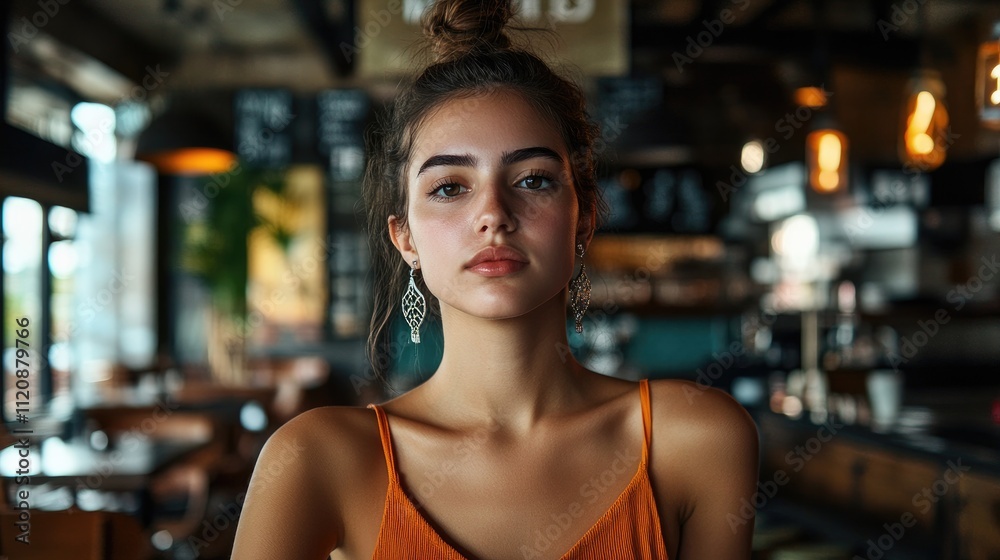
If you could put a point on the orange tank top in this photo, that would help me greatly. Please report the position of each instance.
(628, 530)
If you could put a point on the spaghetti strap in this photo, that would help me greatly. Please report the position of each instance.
(383, 432)
(647, 423)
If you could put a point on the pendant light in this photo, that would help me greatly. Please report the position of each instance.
(988, 80)
(924, 140)
(185, 142)
(826, 144)
(826, 159)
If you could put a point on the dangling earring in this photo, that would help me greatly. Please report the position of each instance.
(414, 307)
(579, 292)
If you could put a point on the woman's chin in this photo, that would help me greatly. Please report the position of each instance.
(510, 306)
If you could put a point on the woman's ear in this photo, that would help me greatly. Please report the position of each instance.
(585, 227)
(400, 236)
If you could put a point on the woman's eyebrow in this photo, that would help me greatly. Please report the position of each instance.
(447, 160)
(529, 153)
(508, 158)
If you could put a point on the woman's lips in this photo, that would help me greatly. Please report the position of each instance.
(496, 253)
(497, 268)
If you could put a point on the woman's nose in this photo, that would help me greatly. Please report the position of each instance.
(495, 211)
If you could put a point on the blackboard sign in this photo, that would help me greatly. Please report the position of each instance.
(263, 134)
(659, 200)
(618, 100)
(340, 121)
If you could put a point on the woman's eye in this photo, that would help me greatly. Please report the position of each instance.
(447, 191)
(535, 182)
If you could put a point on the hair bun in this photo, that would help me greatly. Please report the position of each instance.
(459, 27)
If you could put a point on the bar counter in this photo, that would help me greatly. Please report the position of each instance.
(927, 488)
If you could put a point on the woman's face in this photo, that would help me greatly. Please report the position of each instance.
(490, 171)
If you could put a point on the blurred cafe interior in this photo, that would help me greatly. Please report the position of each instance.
(804, 212)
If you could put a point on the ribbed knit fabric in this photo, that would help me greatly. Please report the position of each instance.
(629, 530)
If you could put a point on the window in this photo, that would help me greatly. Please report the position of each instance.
(39, 258)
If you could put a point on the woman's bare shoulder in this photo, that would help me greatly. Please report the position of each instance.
(340, 441)
(331, 421)
(307, 475)
(701, 435)
(699, 420)
(688, 406)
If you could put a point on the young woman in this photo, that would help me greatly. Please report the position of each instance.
(481, 190)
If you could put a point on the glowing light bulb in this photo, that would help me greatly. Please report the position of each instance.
(922, 143)
(827, 153)
(925, 124)
(988, 79)
(995, 96)
(923, 111)
(752, 157)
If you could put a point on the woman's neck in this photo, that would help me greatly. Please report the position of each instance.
(511, 371)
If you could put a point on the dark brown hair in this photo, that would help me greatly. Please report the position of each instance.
(474, 57)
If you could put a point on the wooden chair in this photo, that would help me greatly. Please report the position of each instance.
(80, 535)
(187, 481)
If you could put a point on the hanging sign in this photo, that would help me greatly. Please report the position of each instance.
(592, 35)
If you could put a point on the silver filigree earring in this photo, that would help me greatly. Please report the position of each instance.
(414, 307)
(579, 292)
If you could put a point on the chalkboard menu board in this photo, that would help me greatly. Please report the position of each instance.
(661, 200)
(341, 116)
(263, 132)
(618, 100)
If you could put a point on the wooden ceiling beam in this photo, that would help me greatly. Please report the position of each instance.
(76, 25)
(861, 48)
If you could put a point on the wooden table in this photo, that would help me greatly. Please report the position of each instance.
(128, 467)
